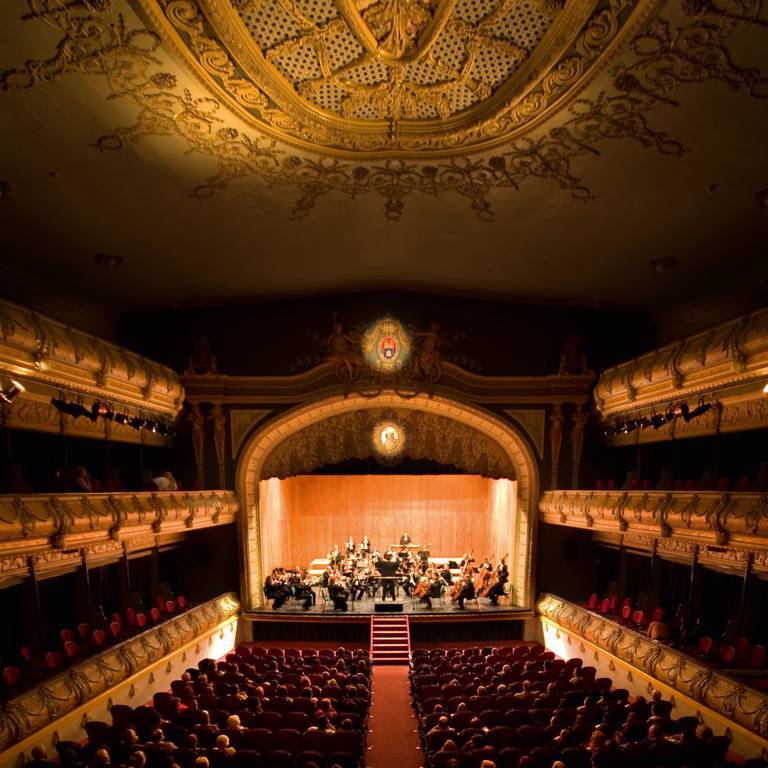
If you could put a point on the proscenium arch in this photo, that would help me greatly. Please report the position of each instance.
(266, 437)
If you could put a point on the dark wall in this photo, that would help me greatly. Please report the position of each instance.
(273, 337)
(31, 458)
(566, 562)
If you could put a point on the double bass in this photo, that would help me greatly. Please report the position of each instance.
(493, 581)
(421, 589)
(483, 575)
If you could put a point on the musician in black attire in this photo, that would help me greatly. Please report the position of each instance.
(388, 569)
(405, 539)
(467, 591)
(338, 593)
(435, 587)
(501, 576)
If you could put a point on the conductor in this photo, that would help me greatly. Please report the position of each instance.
(405, 539)
(387, 568)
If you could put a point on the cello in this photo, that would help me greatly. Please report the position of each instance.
(482, 577)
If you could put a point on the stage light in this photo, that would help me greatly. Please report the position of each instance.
(11, 391)
(765, 389)
(643, 422)
(102, 409)
(681, 409)
(658, 420)
(137, 422)
(121, 418)
(699, 410)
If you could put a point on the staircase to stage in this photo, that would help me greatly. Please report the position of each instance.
(390, 640)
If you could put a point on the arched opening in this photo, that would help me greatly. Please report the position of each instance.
(260, 446)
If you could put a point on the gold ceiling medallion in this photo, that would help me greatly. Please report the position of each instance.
(367, 78)
(386, 346)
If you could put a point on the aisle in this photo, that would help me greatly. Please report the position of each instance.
(393, 737)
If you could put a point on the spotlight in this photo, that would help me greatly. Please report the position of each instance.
(102, 409)
(658, 420)
(10, 392)
(137, 422)
(681, 409)
(643, 422)
(121, 418)
(765, 389)
(699, 410)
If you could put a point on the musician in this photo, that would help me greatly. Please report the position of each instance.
(388, 570)
(335, 556)
(357, 586)
(499, 578)
(467, 560)
(365, 545)
(409, 581)
(302, 589)
(467, 591)
(405, 539)
(351, 546)
(445, 575)
(433, 590)
(338, 593)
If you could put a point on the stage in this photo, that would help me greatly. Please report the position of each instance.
(362, 610)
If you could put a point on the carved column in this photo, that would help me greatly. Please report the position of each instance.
(579, 421)
(197, 420)
(555, 440)
(219, 419)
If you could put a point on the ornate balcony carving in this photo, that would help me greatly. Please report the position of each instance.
(53, 698)
(731, 358)
(50, 532)
(727, 696)
(46, 352)
(733, 524)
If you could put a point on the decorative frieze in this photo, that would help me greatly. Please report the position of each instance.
(47, 532)
(39, 349)
(738, 520)
(27, 713)
(733, 354)
(710, 687)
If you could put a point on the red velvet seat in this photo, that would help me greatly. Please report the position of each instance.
(83, 630)
(758, 656)
(115, 629)
(141, 620)
(54, 660)
(154, 614)
(288, 739)
(170, 606)
(260, 739)
(71, 650)
(99, 638)
(727, 654)
(130, 617)
(181, 601)
(317, 741)
(11, 676)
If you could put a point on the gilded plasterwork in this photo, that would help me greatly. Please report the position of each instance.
(53, 529)
(24, 714)
(97, 39)
(730, 354)
(703, 517)
(394, 76)
(744, 705)
(348, 436)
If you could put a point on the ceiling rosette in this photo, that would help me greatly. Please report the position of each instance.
(368, 78)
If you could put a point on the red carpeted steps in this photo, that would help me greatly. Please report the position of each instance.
(390, 640)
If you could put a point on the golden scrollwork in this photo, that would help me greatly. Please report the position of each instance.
(39, 525)
(348, 436)
(725, 695)
(26, 713)
(96, 39)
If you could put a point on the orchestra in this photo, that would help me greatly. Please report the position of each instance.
(358, 571)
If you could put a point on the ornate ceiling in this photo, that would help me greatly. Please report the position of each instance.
(543, 150)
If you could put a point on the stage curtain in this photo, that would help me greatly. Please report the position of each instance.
(302, 517)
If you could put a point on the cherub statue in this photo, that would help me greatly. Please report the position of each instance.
(428, 355)
(341, 352)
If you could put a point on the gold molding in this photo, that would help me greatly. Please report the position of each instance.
(52, 699)
(213, 42)
(347, 435)
(705, 518)
(264, 439)
(49, 532)
(38, 349)
(731, 698)
(97, 39)
(729, 355)
(322, 381)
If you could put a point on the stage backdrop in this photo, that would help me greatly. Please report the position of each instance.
(302, 517)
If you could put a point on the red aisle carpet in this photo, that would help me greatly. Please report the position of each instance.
(393, 739)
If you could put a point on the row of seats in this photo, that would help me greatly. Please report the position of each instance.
(85, 640)
(257, 708)
(521, 707)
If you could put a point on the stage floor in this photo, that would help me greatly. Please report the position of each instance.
(367, 607)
